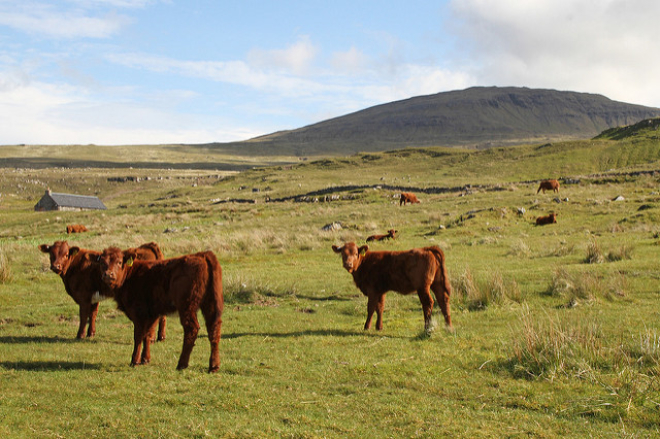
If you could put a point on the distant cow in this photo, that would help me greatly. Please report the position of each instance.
(548, 219)
(408, 197)
(550, 185)
(80, 276)
(406, 272)
(75, 228)
(146, 290)
(390, 235)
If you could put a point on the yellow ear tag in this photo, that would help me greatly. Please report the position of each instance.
(129, 263)
(363, 252)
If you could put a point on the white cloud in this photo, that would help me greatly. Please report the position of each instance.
(594, 46)
(296, 59)
(40, 113)
(232, 72)
(47, 20)
(352, 61)
(128, 4)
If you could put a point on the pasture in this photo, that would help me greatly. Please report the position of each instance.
(556, 327)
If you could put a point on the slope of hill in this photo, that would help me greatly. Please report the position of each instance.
(478, 117)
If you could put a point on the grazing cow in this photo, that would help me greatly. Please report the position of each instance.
(390, 235)
(548, 219)
(408, 197)
(75, 228)
(81, 279)
(550, 185)
(417, 270)
(146, 290)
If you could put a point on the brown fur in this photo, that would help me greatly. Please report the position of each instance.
(145, 290)
(550, 185)
(548, 219)
(390, 235)
(76, 228)
(406, 272)
(81, 279)
(407, 197)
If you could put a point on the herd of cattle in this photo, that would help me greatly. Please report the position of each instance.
(147, 287)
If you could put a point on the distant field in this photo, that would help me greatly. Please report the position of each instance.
(131, 156)
(556, 327)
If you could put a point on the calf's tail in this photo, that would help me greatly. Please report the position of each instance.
(441, 274)
(214, 285)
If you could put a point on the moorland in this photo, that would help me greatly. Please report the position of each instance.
(556, 329)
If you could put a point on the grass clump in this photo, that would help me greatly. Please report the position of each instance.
(496, 291)
(624, 252)
(576, 287)
(5, 270)
(555, 346)
(594, 253)
(520, 249)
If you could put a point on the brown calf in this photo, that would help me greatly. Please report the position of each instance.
(390, 235)
(550, 185)
(408, 197)
(146, 290)
(75, 228)
(80, 276)
(406, 272)
(548, 219)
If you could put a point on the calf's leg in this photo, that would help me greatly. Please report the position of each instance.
(147, 339)
(372, 302)
(161, 328)
(442, 294)
(427, 307)
(93, 311)
(190, 330)
(213, 318)
(380, 307)
(84, 312)
(137, 345)
(141, 331)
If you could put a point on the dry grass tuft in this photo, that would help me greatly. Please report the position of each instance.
(5, 270)
(594, 253)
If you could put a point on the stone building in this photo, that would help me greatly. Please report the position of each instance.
(55, 201)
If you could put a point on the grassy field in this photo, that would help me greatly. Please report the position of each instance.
(556, 327)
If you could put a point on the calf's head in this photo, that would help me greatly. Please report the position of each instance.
(60, 255)
(113, 264)
(351, 255)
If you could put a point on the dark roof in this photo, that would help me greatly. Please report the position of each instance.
(81, 201)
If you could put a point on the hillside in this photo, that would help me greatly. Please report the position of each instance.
(478, 117)
(556, 326)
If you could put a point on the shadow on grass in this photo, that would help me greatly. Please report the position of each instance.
(326, 298)
(47, 366)
(21, 339)
(311, 332)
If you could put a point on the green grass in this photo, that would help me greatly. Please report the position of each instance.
(545, 343)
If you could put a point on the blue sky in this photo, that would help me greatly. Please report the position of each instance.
(165, 71)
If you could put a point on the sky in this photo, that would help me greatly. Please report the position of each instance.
(115, 72)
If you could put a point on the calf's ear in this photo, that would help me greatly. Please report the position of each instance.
(363, 250)
(73, 251)
(44, 248)
(129, 257)
(336, 249)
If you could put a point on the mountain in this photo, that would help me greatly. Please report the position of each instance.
(478, 117)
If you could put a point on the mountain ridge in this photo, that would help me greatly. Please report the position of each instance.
(477, 117)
